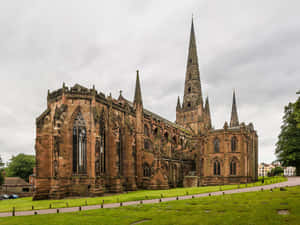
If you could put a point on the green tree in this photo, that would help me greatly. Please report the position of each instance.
(21, 166)
(288, 145)
(277, 171)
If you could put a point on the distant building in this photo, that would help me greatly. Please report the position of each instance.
(289, 171)
(264, 168)
(16, 185)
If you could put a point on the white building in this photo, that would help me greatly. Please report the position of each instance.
(289, 171)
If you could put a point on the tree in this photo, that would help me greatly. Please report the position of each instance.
(288, 145)
(277, 171)
(21, 166)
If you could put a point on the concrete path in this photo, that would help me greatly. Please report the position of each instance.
(292, 181)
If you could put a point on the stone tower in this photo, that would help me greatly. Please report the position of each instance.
(191, 114)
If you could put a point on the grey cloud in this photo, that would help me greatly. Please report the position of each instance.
(252, 47)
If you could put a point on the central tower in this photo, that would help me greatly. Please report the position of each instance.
(191, 113)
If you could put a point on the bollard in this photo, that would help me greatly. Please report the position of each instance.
(101, 206)
(50, 206)
(141, 202)
(193, 196)
(160, 200)
(32, 207)
(209, 194)
(80, 208)
(35, 213)
(223, 193)
(261, 189)
(121, 204)
(57, 210)
(13, 211)
(177, 198)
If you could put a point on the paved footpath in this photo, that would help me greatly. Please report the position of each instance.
(292, 181)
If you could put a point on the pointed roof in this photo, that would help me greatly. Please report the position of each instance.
(138, 93)
(178, 103)
(207, 111)
(234, 121)
(192, 88)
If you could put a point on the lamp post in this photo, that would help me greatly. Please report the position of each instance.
(263, 179)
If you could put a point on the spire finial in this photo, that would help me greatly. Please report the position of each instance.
(138, 93)
(234, 121)
(178, 104)
(207, 111)
(192, 88)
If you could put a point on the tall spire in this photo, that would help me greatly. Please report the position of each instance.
(192, 87)
(178, 107)
(234, 121)
(138, 93)
(207, 111)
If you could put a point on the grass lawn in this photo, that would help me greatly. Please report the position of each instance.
(22, 204)
(243, 208)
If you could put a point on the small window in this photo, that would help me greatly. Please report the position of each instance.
(233, 168)
(174, 140)
(147, 170)
(189, 104)
(189, 89)
(190, 60)
(216, 145)
(233, 144)
(25, 189)
(166, 135)
(146, 144)
(155, 131)
(146, 130)
(217, 168)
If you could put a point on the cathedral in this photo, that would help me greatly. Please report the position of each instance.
(88, 143)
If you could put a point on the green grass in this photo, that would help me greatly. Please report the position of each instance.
(22, 204)
(243, 208)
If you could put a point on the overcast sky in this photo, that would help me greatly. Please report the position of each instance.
(250, 46)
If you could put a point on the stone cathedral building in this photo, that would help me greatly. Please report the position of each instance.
(88, 143)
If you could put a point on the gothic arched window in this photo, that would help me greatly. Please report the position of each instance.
(216, 145)
(166, 135)
(233, 144)
(146, 130)
(146, 144)
(233, 167)
(217, 168)
(147, 170)
(79, 145)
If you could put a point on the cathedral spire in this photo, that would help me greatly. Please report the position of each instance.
(234, 121)
(138, 93)
(207, 111)
(192, 87)
(178, 107)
